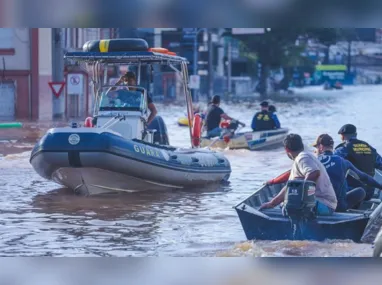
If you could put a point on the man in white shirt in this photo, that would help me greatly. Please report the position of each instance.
(306, 166)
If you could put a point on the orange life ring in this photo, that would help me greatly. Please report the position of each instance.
(282, 178)
(88, 122)
(196, 130)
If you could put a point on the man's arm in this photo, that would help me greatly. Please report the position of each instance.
(341, 151)
(378, 161)
(276, 120)
(153, 113)
(275, 201)
(253, 124)
(115, 86)
(363, 177)
(225, 116)
(313, 176)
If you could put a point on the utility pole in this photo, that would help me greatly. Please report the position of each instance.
(195, 65)
(57, 73)
(349, 56)
(229, 66)
(210, 67)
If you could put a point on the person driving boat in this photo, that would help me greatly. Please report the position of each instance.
(129, 79)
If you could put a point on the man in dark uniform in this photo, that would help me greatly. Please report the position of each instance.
(338, 168)
(264, 120)
(360, 154)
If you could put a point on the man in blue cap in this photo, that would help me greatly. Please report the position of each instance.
(362, 155)
(264, 120)
(338, 169)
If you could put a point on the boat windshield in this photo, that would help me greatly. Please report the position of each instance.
(123, 99)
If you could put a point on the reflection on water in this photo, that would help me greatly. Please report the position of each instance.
(38, 219)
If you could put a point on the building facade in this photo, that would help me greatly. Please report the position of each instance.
(26, 69)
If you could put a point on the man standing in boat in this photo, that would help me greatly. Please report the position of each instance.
(130, 79)
(338, 168)
(306, 166)
(264, 120)
(362, 155)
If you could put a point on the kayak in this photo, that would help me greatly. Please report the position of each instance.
(249, 140)
(273, 224)
(183, 122)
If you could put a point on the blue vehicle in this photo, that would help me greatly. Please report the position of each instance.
(115, 150)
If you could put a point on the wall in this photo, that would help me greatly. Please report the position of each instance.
(14, 49)
(44, 73)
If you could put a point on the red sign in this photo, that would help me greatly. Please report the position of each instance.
(57, 88)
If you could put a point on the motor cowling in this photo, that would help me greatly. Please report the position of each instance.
(300, 200)
(88, 122)
(225, 124)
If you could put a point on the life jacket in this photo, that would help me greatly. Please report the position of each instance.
(264, 121)
(361, 154)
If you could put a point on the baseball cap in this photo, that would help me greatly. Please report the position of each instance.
(216, 99)
(347, 129)
(325, 140)
(264, 104)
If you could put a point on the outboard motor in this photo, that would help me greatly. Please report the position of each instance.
(300, 204)
(230, 127)
(161, 135)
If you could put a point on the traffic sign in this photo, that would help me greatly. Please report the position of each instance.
(194, 82)
(75, 80)
(57, 88)
(75, 83)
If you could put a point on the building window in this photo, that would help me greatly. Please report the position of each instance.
(6, 41)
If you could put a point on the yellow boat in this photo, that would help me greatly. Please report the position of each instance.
(183, 122)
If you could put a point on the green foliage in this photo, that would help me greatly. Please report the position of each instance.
(277, 47)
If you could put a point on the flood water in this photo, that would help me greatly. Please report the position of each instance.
(37, 218)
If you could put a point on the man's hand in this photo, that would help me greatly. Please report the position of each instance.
(267, 205)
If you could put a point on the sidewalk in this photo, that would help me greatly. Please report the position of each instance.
(17, 140)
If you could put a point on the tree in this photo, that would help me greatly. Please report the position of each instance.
(277, 47)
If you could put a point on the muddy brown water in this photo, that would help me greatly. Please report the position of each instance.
(39, 218)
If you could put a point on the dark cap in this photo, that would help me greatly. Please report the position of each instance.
(347, 129)
(325, 140)
(264, 104)
(272, 108)
(216, 99)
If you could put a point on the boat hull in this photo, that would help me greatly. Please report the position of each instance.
(271, 224)
(250, 140)
(105, 162)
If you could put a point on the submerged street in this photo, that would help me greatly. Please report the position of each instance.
(37, 218)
